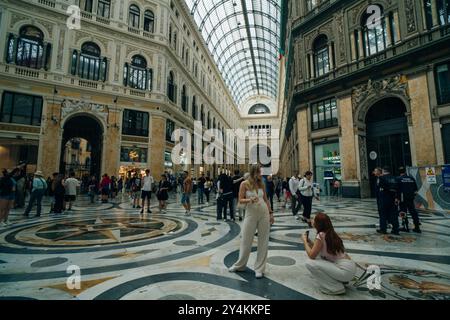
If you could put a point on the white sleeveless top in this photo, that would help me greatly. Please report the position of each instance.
(250, 194)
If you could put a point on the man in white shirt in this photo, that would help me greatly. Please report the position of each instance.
(71, 185)
(295, 198)
(146, 193)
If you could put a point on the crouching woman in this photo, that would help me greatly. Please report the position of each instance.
(328, 263)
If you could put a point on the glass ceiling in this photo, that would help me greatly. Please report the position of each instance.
(243, 36)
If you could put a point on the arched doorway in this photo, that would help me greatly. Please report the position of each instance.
(81, 148)
(388, 141)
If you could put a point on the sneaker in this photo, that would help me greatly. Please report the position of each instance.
(138, 207)
(297, 217)
(142, 211)
(381, 231)
(259, 275)
(149, 211)
(134, 207)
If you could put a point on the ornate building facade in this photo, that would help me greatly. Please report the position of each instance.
(129, 76)
(367, 85)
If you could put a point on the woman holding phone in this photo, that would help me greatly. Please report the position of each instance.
(328, 262)
(259, 216)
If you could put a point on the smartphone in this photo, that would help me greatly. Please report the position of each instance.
(307, 233)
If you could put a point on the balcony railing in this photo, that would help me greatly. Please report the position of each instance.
(86, 15)
(50, 3)
(134, 30)
(103, 20)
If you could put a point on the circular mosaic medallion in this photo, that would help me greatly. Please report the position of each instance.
(94, 231)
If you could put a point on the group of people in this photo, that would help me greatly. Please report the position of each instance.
(395, 197)
(62, 188)
(328, 261)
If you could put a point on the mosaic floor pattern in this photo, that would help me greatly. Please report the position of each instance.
(170, 256)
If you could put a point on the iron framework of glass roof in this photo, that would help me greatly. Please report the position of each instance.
(243, 37)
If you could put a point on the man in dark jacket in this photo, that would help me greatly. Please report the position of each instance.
(407, 192)
(388, 195)
(225, 197)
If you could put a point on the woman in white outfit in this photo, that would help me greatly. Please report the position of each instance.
(328, 263)
(258, 216)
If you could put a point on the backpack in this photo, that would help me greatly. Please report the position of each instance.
(6, 186)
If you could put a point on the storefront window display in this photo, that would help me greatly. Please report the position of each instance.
(327, 166)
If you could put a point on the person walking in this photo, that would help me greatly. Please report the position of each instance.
(21, 181)
(187, 191)
(226, 197)
(296, 201)
(258, 218)
(71, 184)
(146, 194)
(377, 173)
(328, 262)
(37, 193)
(59, 193)
(388, 194)
(286, 192)
(92, 189)
(270, 190)
(7, 196)
(105, 186)
(407, 193)
(208, 187)
(306, 189)
(237, 180)
(163, 193)
(201, 188)
(278, 187)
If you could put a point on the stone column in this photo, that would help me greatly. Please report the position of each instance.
(330, 55)
(157, 144)
(311, 64)
(389, 40)
(434, 13)
(112, 144)
(361, 48)
(348, 145)
(425, 152)
(397, 26)
(303, 140)
(353, 44)
(50, 139)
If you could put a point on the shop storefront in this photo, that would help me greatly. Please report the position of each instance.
(132, 159)
(168, 164)
(15, 151)
(327, 167)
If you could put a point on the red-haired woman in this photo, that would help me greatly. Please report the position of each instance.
(328, 263)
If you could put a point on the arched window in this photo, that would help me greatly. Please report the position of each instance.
(137, 75)
(171, 88)
(175, 40)
(443, 11)
(209, 120)
(134, 16)
(374, 34)
(194, 107)
(30, 48)
(321, 56)
(90, 64)
(103, 8)
(259, 109)
(149, 21)
(202, 114)
(184, 99)
(86, 5)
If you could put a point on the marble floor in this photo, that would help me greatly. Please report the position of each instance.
(170, 256)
